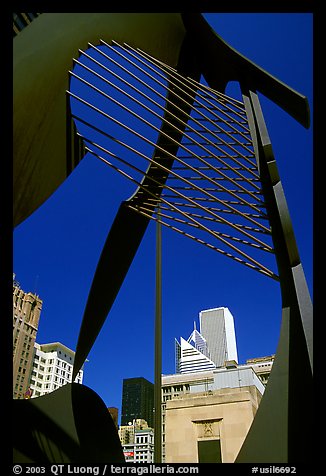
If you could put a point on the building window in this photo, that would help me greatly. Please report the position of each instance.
(178, 388)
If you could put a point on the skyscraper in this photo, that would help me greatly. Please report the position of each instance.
(137, 400)
(211, 346)
(26, 314)
(190, 359)
(52, 368)
(217, 327)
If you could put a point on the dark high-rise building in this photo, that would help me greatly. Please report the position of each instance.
(137, 400)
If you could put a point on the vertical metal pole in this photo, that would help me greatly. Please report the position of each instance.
(158, 347)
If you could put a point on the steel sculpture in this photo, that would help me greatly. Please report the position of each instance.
(211, 175)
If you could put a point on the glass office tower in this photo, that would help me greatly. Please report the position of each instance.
(137, 401)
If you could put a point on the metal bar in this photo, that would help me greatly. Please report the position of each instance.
(199, 226)
(140, 52)
(166, 152)
(182, 213)
(187, 198)
(236, 155)
(157, 93)
(224, 211)
(224, 97)
(264, 271)
(69, 167)
(166, 135)
(237, 179)
(158, 347)
(198, 87)
(224, 202)
(207, 91)
(162, 65)
(203, 167)
(211, 189)
(203, 217)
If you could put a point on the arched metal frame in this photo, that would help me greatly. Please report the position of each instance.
(274, 435)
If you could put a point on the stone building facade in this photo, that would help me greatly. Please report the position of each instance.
(26, 314)
(209, 427)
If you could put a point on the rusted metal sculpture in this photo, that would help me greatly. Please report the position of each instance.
(211, 175)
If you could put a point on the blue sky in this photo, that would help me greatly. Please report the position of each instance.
(56, 249)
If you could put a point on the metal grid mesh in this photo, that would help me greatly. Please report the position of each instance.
(212, 193)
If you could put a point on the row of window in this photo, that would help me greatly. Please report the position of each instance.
(23, 362)
(60, 353)
(28, 332)
(20, 378)
(26, 346)
(145, 456)
(51, 361)
(176, 388)
(25, 354)
(47, 386)
(166, 398)
(38, 393)
(49, 373)
(187, 352)
(43, 360)
(144, 439)
(49, 368)
(63, 373)
(21, 370)
(140, 459)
